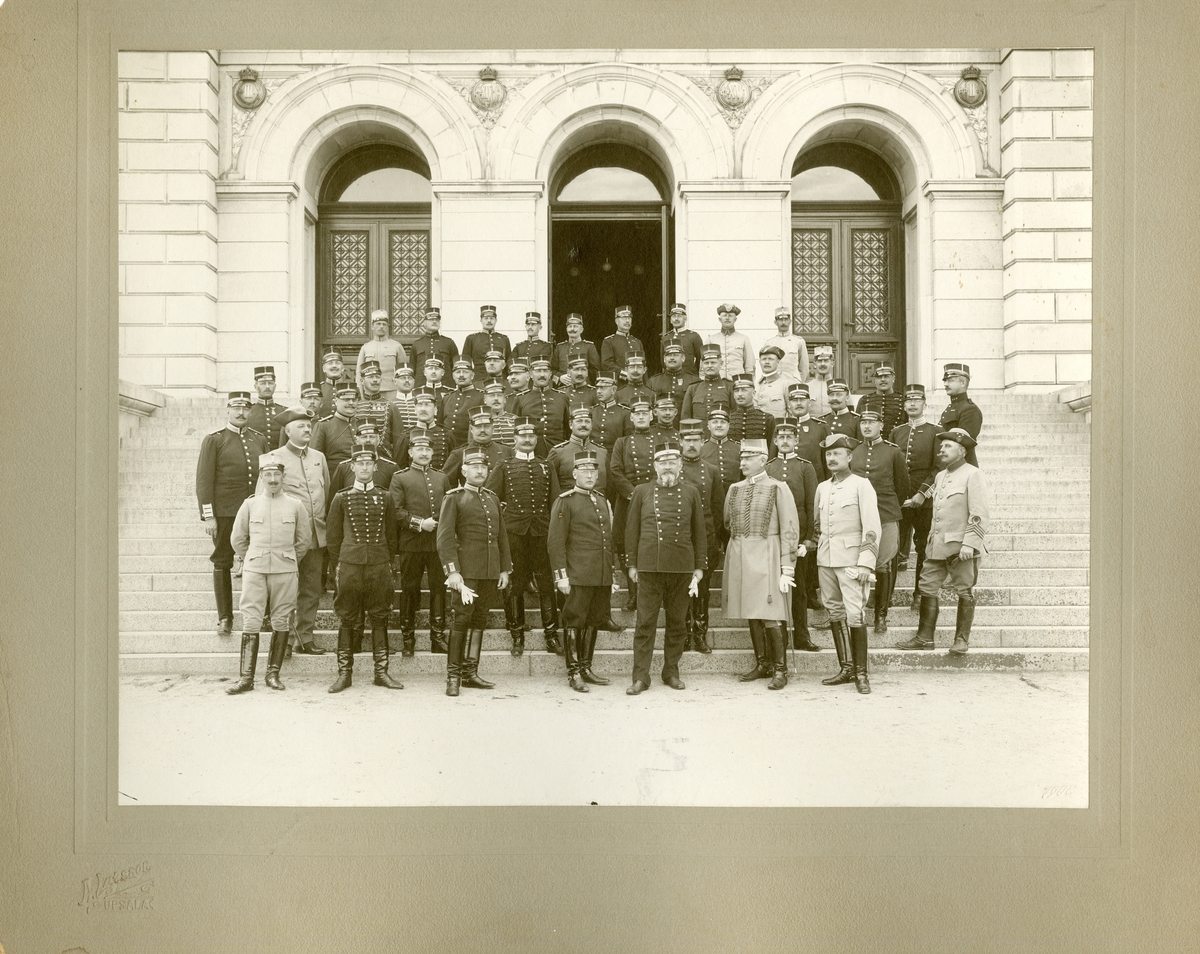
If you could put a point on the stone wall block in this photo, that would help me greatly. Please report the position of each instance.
(138, 65)
(1026, 63)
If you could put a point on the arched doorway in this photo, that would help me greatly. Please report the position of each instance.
(848, 259)
(373, 246)
(611, 242)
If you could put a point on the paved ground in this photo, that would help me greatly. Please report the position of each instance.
(921, 738)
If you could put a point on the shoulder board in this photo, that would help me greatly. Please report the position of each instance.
(560, 444)
(890, 444)
(218, 431)
(327, 417)
(455, 490)
(254, 430)
(484, 490)
(567, 493)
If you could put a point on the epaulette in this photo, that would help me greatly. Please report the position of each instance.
(254, 430)
(327, 417)
(890, 444)
(455, 490)
(561, 444)
(567, 493)
(219, 429)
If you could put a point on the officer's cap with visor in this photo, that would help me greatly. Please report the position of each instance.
(238, 399)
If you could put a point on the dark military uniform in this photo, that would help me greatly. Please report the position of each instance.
(328, 390)
(431, 346)
(691, 343)
(376, 409)
(665, 541)
(440, 439)
(844, 421)
(402, 415)
(750, 424)
(882, 463)
(560, 361)
(416, 495)
(333, 436)
(675, 384)
(965, 413)
(480, 343)
(703, 396)
(889, 406)
(226, 474)
(800, 475)
(262, 419)
(562, 461)
(726, 457)
(630, 463)
(614, 352)
(360, 534)
(343, 476)
(635, 392)
(537, 348)
(707, 480)
(526, 487)
(496, 452)
(809, 434)
(919, 445)
(610, 421)
(577, 396)
(456, 408)
(549, 408)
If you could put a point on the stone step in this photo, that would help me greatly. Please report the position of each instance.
(499, 665)
(986, 637)
(985, 615)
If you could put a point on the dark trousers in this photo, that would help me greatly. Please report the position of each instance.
(587, 607)
(914, 526)
(530, 561)
(657, 591)
(413, 565)
(809, 578)
(222, 555)
(473, 615)
(308, 596)
(363, 588)
(800, 597)
(620, 512)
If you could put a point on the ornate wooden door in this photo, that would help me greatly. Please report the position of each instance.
(847, 290)
(368, 260)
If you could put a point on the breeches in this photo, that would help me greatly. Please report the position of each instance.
(586, 606)
(915, 524)
(309, 595)
(962, 575)
(842, 596)
(530, 561)
(414, 564)
(222, 555)
(363, 588)
(889, 542)
(473, 615)
(257, 588)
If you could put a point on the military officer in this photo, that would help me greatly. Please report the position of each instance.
(333, 369)
(432, 344)
(848, 530)
(373, 403)
(615, 349)
(665, 416)
(635, 379)
(503, 423)
(961, 411)
(885, 400)
(310, 397)
(402, 409)
(610, 420)
(226, 474)
(526, 486)
(481, 439)
(747, 422)
(840, 419)
(882, 463)
(478, 344)
(737, 354)
(417, 494)
(458, 404)
(562, 456)
(958, 528)
(790, 468)
(690, 343)
(533, 346)
(760, 559)
(917, 440)
(773, 386)
(630, 463)
(810, 432)
(666, 551)
(271, 535)
(435, 371)
(440, 438)
(344, 474)
(674, 379)
(361, 536)
(264, 411)
(385, 351)
(794, 363)
(711, 390)
(719, 451)
(580, 545)
(544, 404)
(493, 370)
(818, 380)
(333, 436)
(577, 389)
(564, 350)
(707, 481)
(518, 382)
(473, 547)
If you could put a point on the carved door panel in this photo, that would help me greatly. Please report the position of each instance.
(847, 291)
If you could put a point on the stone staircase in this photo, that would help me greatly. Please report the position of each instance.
(1032, 594)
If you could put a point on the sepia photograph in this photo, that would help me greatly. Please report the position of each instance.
(618, 427)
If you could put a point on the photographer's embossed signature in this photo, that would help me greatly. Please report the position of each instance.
(130, 889)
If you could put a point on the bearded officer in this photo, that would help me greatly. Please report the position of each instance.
(226, 474)
(958, 527)
(848, 531)
(580, 551)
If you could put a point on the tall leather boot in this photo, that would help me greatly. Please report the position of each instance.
(631, 602)
(926, 625)
(858, 651)
(223, 591)
(587, 654)
(437, 620)
(572, 654)
(471, 655)
(454, 660)
(883, 595)
(514, 617)
(689, 626)
(778, 657)
(916, 599)
(841, 644)
(279, 640)
(548, 607)
(249, 660)
(700, 637)
(758, 639)
(345, 659)
(962, 625)
(379, 653)
(800, 636)
(408, 622)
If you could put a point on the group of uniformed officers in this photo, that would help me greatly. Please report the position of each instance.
(544, 469)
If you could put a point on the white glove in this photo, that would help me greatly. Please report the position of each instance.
(786, 582)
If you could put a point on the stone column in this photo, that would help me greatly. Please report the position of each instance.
(1046, 163)
(167, 220)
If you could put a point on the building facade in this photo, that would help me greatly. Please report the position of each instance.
(917, 207)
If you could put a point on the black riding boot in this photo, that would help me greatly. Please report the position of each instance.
(345, 659)
(962, 625)
(572, 652)
(279, 640)
(800, 636)
(454, 660)
(548, 607)
(700, 637)
(408, 622)
(470, 672)
(587, 652)
(858, 650)
(762, 666)
(223, 591)
(883, 595)
(249, 660)
(379, 654)
(514, 617)
(926, 625)
(778, 657)
(841, 644)
(631, 602)
(437, 619)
